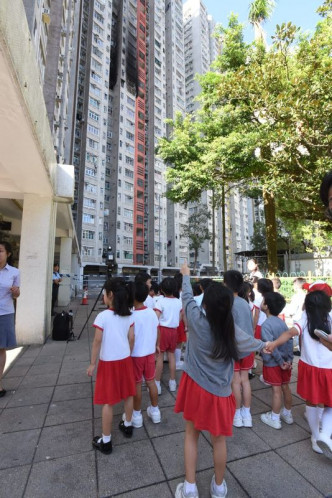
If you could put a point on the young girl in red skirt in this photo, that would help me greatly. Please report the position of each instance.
(205, 394)
(314, 381)
(113, 341)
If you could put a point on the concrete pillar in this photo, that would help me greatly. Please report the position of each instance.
(33, 313)
(65, 268)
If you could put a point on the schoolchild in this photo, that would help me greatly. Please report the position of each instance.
(143, 355)
(113, 342)
(168, 310)
(242, 315)
(146, 279)
(314, 382)
(277, 367)
(205, 394)
(182, 328)
(262, 286)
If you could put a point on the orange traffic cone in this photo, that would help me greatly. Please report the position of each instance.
(85, 296)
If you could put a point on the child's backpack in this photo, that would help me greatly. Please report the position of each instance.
(63, 327)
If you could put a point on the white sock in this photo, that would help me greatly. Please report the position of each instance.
(245, 411)
(105, 439)
(327, 421)
(155, 408)
(157, 382)
(177, 355)
(313, 420)
(286, 412)
(320, 411)
(238, 412)
(275, 416)
(219, 488)
(189, 487)
(136, 413)
(127, 424)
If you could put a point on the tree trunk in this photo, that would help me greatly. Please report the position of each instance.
(195, 260)
(223, 216)
(271, 231)
(213, 231)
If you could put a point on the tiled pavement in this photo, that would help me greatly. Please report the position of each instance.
(47, 421)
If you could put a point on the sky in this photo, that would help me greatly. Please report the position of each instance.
(302, 13)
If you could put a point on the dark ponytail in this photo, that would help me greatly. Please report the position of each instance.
(218, 302)
(317, 305)
(122, 295)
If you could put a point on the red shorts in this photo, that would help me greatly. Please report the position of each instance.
(144, 365)
(115, 381)
(245, 364)
(314, 384)
(182, 336)
(168, 339)
(276, 376)
(258, 332)
(205, 410)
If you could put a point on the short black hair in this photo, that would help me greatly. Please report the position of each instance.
(324, 188)
(154, 287)
(142, 276)
(233, 279)
(275, 302)
(141, 291)
(264, 285)
(168, 286)
(197, 291)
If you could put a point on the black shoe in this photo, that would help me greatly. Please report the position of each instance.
(251, 375)
(2, 393)
(127, 431)
(98, 443)
(297, 353)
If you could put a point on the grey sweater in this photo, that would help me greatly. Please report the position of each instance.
(272, 328)
(215, 376)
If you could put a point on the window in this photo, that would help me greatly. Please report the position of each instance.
(128, 213)
(88, 234)
(129, 173)
(88, 218)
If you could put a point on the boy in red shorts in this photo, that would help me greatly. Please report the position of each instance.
(277, 367)
(144, 354)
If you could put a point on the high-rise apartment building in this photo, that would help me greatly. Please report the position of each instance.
(201, 49)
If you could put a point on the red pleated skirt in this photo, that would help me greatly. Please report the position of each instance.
(182, 336)
(205, 410)
(115, 381)
(314, 384)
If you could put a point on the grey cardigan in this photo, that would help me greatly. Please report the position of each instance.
(215, 376)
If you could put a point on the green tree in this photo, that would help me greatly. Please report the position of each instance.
(197, 231)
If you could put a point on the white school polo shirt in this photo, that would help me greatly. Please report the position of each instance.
(313, 352)
(146, 329)
(170, 308)
(115, 343)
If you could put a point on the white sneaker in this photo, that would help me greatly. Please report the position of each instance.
(136, 420)
(154, 414)
(287, 417)
(261, 378)
(179, 493)
(325, 444)
(172, 385)
(237, 420)
(246, 419)
(315, 446)
(218, 494)
(267, 419)
(158, 386)
(179, 365)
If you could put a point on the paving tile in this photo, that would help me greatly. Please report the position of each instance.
(32, 351)
(72, 391)
(117, 437)
(48, 360)
(39, 380)
(156, 490)
(45, 368)
(17, 371)
(73, 378)
(31, 396)
(257, 406)
(313, 467)
(298, 415)
(17, 448)
(11, 383)
(12, 481)
(203, 480)
(123, 469)
(63, 412)
(64, 440)
(165, 399)
(268, 476)
(22, 418)
(288, 434)
(170, 453)
(170, 422)
(74, 366)
(72, 476)
(243, 443)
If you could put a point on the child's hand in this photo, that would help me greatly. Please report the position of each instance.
(185, 270)
(284, 366)
(90, 370)
(157, 350)
(269, 347)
